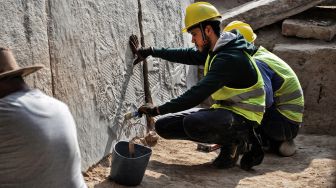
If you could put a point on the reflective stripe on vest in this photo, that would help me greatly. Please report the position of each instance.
(236, 100)
(289, 96)
(246, 106)
(291, 107)
(247, 102)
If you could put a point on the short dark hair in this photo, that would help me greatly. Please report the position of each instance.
(215, 24)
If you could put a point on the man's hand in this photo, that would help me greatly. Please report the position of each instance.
(151, 139)
(142, 53)
(149, 109)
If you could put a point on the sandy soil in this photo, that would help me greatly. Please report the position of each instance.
(178, 164)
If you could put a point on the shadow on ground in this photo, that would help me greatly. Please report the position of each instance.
(173, 165)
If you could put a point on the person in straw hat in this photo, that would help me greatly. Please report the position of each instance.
(38, 139)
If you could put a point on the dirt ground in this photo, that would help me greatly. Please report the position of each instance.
(178, 164)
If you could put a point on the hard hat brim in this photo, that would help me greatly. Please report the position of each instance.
(218, 18)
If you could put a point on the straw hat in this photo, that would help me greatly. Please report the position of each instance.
(9, 67)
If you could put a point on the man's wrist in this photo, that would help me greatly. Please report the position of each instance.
(151, 50)
(157, 110)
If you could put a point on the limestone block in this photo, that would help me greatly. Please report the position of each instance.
(92, 68)
(318, 23)
(315, 65)
(24, 30)
(162, 27)
(92, 65)
(323, 30)
(265, 12)
(269, 36)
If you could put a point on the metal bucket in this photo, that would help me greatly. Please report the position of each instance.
(126, 170)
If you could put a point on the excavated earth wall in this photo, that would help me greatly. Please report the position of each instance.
(314, 62)
(315, 65)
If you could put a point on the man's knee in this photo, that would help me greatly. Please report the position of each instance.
(201, 130)
(170, 128)
(193, 126)
(279, 131)
(161, 127)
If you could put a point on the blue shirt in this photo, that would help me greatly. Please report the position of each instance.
(271, 81)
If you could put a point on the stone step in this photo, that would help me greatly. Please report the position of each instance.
(315, 66)
(318, 23)
(317, 29)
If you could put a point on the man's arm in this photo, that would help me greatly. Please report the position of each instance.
(232, 69)
(219, 75)
(188, 56)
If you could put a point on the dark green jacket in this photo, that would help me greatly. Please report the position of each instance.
(230, 68)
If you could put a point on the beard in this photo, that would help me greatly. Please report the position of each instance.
(206, 45)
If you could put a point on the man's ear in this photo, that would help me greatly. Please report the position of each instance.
(208, 30)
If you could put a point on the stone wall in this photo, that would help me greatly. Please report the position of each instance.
(24, 30)
(84, 46)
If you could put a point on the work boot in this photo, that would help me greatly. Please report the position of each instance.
(254, 156)
(227, 157)
(287, 148)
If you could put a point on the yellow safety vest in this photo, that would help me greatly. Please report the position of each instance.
(248, 102)
(289, 97)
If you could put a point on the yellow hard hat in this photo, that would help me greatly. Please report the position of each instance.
(243, 28)
(199, 12)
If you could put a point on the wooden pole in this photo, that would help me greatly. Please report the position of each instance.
(134, 43)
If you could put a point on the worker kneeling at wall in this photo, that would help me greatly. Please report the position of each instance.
(284, 96)
(38, 139)
(231, 78)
